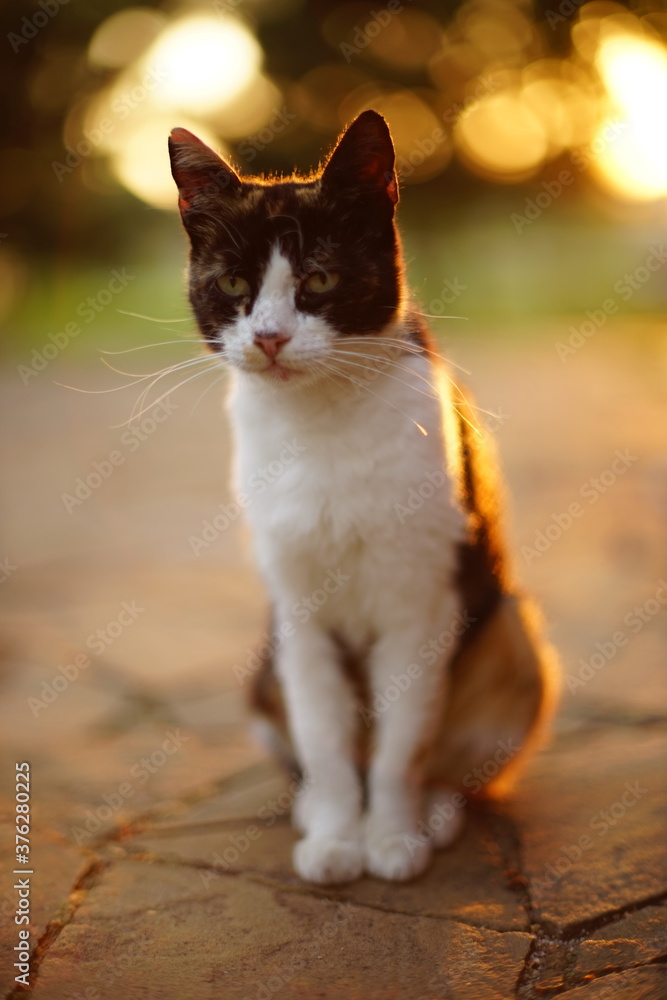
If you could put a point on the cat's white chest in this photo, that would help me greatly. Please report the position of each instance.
(356, 490)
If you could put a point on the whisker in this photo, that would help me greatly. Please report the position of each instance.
(451, 364)
(168, 368)
(126, 385)
(455, 385)
(480, 409)
(468, 422)
(368, 368)
(228, 229)
(395, 342)
(208, 389)
(297, 230)
(162, 343)
(350, 378)
(436, 316)
(388, 361)
(144, 395)
(94, 392)
(406, 346)
(156, 402)
(152, 319)
(137, 378)
(161, 374)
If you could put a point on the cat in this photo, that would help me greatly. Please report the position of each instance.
(406, 671)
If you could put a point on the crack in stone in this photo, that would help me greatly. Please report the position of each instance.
(547, 936)
(137, 708)
(377, 907)
(551, 994)
(142, 823)
(508, 840)
(253, 875)
(63, 916)
(580, 930)
(210, 825)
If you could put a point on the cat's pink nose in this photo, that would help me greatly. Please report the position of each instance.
(271, 343)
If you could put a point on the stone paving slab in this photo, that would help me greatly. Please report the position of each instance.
(466, 883)
(174, 641)
(592, 821)
(636, 984)
(142, 908)
(87, 788)
(240, 939)
(636, 939)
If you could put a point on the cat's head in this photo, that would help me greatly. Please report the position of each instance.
(282, 270)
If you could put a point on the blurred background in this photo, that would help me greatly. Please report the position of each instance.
(530, 138)
(532, 156)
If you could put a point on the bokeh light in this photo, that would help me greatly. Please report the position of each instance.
(492, 97)
(408, 41)
(124, 36)
(502, 137)
(251, 109)
(497, 29)
(483, 85)
(199, 71)
(205, 63)
(633, 161)
(320, 92)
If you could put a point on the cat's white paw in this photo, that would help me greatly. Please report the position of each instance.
(397, 856)
(444, 819)
(328, 860)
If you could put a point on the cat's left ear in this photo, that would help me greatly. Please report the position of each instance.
(364, 158)
(200, 174)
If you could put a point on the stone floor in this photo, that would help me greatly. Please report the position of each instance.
(160, 845)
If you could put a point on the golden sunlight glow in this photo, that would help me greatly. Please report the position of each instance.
(500, 31)
(551, 100)
(632, 161)
(205, 63)
(124, 36)
(201, 72)
(501, 137)
(254, 107)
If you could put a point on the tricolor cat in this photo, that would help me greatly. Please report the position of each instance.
(410, 672)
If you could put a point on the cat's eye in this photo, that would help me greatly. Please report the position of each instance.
(322, 281)
(232, 285)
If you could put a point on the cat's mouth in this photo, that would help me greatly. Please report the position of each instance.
(281, 372)
(275, 369)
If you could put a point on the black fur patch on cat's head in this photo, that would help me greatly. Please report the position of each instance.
(340, 219)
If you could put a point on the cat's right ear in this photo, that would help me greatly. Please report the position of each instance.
(363, 160)
(200, 174)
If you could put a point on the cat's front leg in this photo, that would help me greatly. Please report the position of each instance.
(321, 714)
(394, 846)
